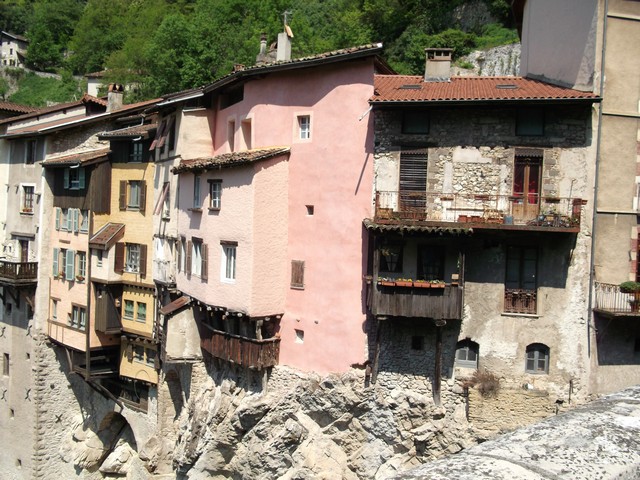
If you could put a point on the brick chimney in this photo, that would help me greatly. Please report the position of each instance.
(438, 67)
(114, 97)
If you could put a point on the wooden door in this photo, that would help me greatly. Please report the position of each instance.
(526, 188)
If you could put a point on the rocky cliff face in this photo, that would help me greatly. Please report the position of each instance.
(499, 62)
(307, 427)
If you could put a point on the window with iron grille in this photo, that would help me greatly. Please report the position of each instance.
(521, 280)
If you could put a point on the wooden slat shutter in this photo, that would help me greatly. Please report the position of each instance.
(56, 268)
(75, 215)
(189, 253)
(297, 273)
(167, 131)
(57, 218)
(123, 195)
(142, 268)
(205, 261)
(81, 178)
(179, 253)
(66, 178)
(143, 195)
(70, 265)
(119, 260)
(158, 135)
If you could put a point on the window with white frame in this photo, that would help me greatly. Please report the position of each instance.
(77, 317)
(215, 194)
(196, 257)
(28, 198)
(99, 258)
(134, 194)
(84, 225)
(136, 152)
(166, 200)
(74, 178)
(467, 354)
(229, 260)
(81, 266)
(54, 309)
(304, 127)
(132, 259)
(537, 359)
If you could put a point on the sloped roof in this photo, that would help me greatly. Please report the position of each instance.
(303, 62)
(412, 88)
(15, 36)
(15, 107)
(227, 160)
(175, 305)
(130, 132)
(82, 158)
(370, 224)
(107, 236)
(56, 108)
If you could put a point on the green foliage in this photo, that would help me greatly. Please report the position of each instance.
(630, 287)
(494, 35)
(4, 87)
(37, 91)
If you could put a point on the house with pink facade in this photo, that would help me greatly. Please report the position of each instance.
(271, 250)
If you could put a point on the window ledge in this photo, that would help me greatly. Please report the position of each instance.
(195, 210)
(23, 212)
(526, 315)
(214, 209)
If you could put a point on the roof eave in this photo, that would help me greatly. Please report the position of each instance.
(510, 101)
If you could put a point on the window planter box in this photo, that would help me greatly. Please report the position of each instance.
(438, 285)
(404, 283)
(421, 284)
(386, 283)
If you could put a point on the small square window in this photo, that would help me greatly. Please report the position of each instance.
(136, 152)
(537, 359)
(5, 365)
(310, 210)
(28, 194)
(128, 309)
(299, 336)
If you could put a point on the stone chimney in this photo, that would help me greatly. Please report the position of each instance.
(438, 67)
(114, 97)
(284, 44)
(261, 58)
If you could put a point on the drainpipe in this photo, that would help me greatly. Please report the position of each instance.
(595, 183)
(90, 320)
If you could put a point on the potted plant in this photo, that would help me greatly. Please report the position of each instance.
(421, 284)
(404, 282)
(79, 278)
(386, 282)
(632, 288)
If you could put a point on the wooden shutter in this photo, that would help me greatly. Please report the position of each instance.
(56, 268)
(57, 218)
(66, 178)
(179, 253)
(70, 264)
(130, 352)
(143, 195)
(75, 215)
(158, 135)
(81, 178)
(142, 268)
(204, 252)
(123, 195)
(119, 260)
(189, 253)
(297, 273)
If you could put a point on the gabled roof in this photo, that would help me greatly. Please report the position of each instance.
(136, 131)
(83, 158)
(55, 108)
(372, 49)
(227, 160)
(15, 36)
(390, 89)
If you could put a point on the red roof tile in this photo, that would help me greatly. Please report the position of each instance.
(107, 236)
(229, 159)
(406, 88)
(14, 107)
(82, 158)
(129, 132)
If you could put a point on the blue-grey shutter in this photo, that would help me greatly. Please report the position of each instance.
(66, 178)
(76, 219)
(57, 218)
(81, 178)
(70, 265)
(56, 270)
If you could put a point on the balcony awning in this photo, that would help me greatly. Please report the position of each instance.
(107, 236)
(371, 225)
(175, 305)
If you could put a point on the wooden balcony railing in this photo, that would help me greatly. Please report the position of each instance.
(18, 272)
(487, 211)
(610, 300)
(517, 300)
(248, 352)
(442, 302)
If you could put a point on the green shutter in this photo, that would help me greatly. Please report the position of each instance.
(70, 265)
(57, 218)
(76, 219)
(56, 270)
(81, 178)
(66, 178)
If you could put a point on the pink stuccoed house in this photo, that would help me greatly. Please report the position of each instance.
(275, 173)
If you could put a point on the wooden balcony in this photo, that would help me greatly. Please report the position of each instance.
(409, 299)
(502, 212)
(248, 352)
(610, 301)
(18, 273)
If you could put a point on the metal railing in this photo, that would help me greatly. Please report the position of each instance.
(518, 300)
(479, 208)
(610, 299)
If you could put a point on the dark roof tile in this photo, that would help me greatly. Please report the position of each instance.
(227, 160)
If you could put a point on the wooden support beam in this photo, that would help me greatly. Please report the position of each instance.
(437, 374)
(376, 355)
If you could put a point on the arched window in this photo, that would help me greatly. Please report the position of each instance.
(467, 354)
(537, 358)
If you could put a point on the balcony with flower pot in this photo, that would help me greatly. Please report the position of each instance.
(621, 300)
